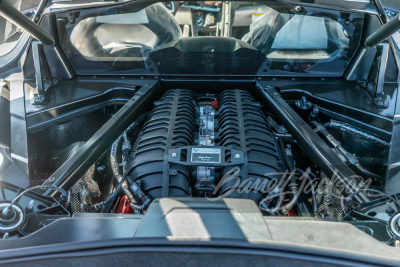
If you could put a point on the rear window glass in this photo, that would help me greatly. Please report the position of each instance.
(275, 38)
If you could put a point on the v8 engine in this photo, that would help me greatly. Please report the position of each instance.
(205, 145)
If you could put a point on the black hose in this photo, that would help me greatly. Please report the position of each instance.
(285, 156)
(368, 173)
(320, 128)
(107, 204)
(289, 164)
(315, 207)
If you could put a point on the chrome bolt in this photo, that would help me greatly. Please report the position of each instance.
(237, 156)
(30, 205)
(173, 155)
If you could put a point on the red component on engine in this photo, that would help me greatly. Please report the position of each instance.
(124, 206)
(292, 211)
(214, 104)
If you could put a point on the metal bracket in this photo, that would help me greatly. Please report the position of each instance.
(379, 96)
(236, 156)
(42, 72)
(278, 128)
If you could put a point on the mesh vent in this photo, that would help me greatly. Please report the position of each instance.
(329, 200)
(85, 191)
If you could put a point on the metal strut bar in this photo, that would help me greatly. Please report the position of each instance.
(316, 148)
(13, 15)
(42, 71)
(67, 175)
(384, 32)
(379, 97)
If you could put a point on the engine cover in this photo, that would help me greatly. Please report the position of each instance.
(171, 124)
(243, 126)
(175, 156)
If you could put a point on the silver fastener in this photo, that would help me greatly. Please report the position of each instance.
(30, 205)
(237, 156)
(173, 155)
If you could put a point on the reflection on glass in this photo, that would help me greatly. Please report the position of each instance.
(290, 40)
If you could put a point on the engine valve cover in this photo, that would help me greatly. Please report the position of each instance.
(171, 124)
(237, 136)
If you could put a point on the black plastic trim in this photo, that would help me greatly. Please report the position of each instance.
(66, 176)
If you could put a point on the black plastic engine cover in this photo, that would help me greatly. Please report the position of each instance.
(171, 124)
(243, 126)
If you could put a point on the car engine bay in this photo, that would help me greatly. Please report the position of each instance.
(201, 122)
(202, 146)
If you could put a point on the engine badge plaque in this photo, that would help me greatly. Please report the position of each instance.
(206, 155)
